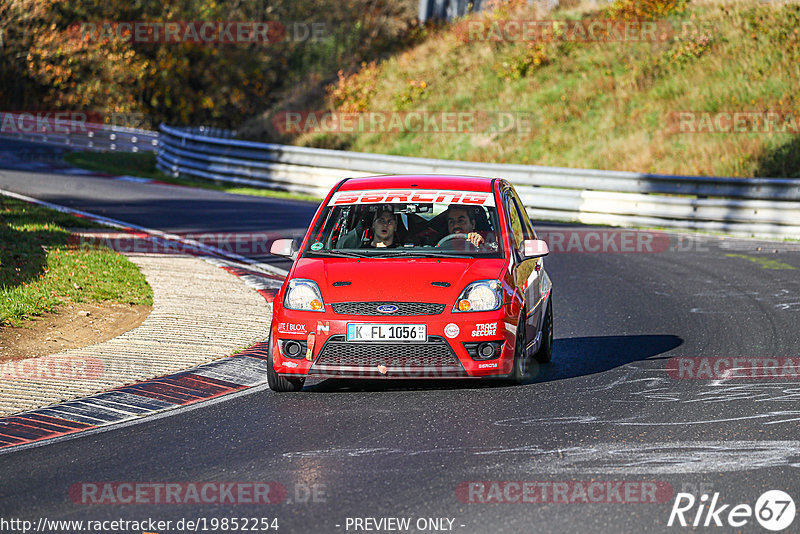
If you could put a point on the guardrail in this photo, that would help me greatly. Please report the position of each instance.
(753, 206)
(742, 206)
(76, 134)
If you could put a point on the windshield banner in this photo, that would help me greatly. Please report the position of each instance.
(394, 196)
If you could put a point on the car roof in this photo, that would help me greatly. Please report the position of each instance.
(422, 181)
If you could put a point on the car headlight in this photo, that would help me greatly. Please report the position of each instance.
(303, 295)
(483, 295)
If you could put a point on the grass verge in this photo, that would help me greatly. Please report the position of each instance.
(40, 269)
(143, 164)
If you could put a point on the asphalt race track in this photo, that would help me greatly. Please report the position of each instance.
(606, 412)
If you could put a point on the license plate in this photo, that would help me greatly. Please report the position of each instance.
(386, 332)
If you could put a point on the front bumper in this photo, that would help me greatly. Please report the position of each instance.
(326, 353)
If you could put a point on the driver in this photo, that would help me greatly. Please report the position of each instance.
(460, 220)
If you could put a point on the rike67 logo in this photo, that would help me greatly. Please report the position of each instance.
(774, 510)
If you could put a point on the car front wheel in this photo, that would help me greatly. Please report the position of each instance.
(279, 383)
(520, 370)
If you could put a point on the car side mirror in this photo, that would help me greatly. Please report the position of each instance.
(535, 248)
(284, 247)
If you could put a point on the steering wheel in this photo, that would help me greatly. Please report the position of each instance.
(447, 242)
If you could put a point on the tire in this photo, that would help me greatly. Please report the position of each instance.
(520, 371)
(545, 352)
(279, 383)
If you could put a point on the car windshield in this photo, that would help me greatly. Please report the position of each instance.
(402, 223)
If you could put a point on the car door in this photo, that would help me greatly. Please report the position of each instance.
(525, 272)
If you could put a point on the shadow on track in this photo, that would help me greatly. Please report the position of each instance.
(581, 356)
(572, 357)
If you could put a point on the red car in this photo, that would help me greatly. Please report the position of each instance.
(413, 277)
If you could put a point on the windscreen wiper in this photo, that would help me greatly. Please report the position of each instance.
(421, 254)
(334, 253)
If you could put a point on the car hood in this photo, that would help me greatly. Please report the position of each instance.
(395, 280)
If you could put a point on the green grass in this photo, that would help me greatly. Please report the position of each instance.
(143, 164)
(604, 105)
(765, 263)
(41, 269)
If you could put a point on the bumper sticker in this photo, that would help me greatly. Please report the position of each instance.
(485, 330)
(310, 345)
(451, 330)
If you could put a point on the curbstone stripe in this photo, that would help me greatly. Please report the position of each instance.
(227, 375)
(204, 382)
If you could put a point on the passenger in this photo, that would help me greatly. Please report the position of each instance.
(384, 230)
(460, 220)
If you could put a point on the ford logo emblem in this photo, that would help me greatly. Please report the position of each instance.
(387, 308)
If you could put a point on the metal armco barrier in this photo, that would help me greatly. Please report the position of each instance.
(77, 135)
(742, 206)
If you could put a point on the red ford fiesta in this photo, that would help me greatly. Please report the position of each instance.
(413, 277)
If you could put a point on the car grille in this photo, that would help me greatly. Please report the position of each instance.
(403, 308)
(433, 358)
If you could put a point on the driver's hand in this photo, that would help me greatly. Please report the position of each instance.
(475, 238)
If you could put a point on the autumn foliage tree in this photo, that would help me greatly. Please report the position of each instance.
(48, 63)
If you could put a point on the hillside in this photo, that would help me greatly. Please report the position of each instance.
(727, 71)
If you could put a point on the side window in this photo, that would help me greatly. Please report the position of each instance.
(527, 228)
(514, 221)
